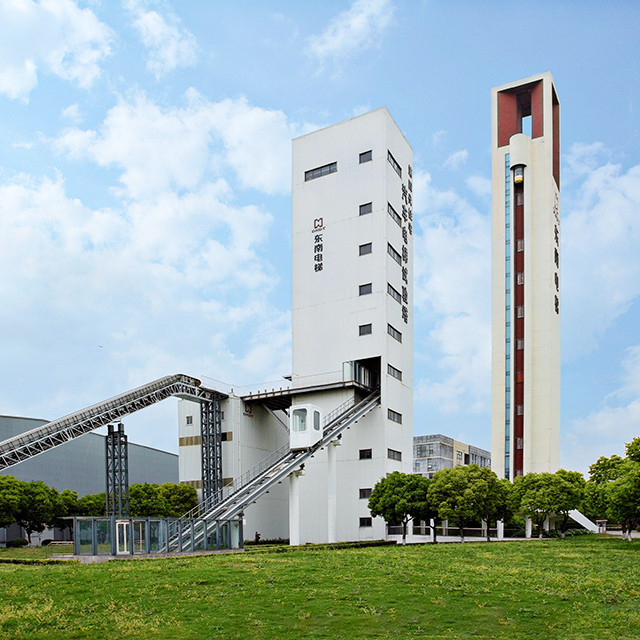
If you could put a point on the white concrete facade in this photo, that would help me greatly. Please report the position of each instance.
(336, 321)
(250, 434)
(525, 278)
(352, 319)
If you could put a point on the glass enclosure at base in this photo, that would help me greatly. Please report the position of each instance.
(139, 536)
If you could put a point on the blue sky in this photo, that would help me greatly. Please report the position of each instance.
(145, 194)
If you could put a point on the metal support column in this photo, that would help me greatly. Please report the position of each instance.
(211, 450)
(117, 472)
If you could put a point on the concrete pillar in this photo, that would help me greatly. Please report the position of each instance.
(432, 522)
(500, 524)
(547, 524)
(527, 528)
(294, 508)
(332, 490)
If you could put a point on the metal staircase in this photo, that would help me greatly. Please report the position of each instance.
(274, 468)
(38, 440)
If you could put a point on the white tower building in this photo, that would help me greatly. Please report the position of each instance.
(525, 152)
(352, 302)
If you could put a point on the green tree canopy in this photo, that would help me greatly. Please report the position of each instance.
(180, 498)
(10, 495)
(145, 500)
(535, 497)
(605, 469)
(450, 492)
(633, 450)
(398, 498)
(93, 504)
(37, 507)
(623, 498)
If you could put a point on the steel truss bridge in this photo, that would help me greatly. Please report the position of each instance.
(50, 435)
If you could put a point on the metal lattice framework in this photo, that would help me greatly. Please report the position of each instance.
(117, 453)
(211, 451)
(41, 439)
(275, 467)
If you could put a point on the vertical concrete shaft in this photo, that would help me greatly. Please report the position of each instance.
(332, 490)
(294, 508)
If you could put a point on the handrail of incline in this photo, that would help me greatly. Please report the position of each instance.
(279, 454)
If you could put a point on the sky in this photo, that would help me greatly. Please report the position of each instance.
(145, 194)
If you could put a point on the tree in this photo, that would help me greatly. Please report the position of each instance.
(450, 493)
(180, 498)
(425, 509)
(65, 506)
(535, 497)
(633, 450)
(36, 508)
(93, 504)
(10, 493)
(145, 501)
(623, 498)
(568, 490)
(488, 494)
(398, 498)
(605, 469)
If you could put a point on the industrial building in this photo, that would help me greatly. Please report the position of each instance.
(432, 453)
(352, 337)
(525, 156)
(79, 464)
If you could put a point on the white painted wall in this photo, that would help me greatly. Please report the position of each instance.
(327, 307)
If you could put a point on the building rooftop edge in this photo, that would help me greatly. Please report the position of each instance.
(522, 81)
(337, 124)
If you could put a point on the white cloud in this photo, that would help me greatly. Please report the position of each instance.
(452, 287)
(72, 113)
(600, 240)
(166, 286)
(176, 148)
(54, 36)
(22, 145)
(170, 45)
(604, 431)
(456, 159)
(356, 29)
(480, 185)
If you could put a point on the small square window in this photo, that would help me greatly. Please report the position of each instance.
(392, 454)
(365, 289)
(366, 454)
(189, 419)
(519, 344)
(519, 409)
(366, 522)
(394, 416)
(520, 277)
(227, 436)
(366, 208)
(520, 245)
(557, 304)
(367, 156)
(557, 281)
(520, 311)
(365, 249)
(556, 257)
(364, 494)
(364, 329)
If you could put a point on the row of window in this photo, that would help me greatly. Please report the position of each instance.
(332, 167)
(392, 454)
(367, 329)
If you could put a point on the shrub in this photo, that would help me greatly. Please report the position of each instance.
(46, 543)
(18, 542)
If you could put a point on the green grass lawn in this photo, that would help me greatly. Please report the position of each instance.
(574, 588)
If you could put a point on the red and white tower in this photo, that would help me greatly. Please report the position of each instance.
(525, 156)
